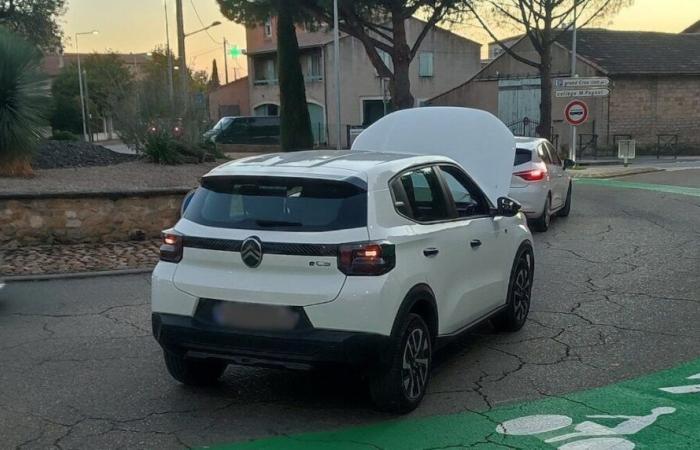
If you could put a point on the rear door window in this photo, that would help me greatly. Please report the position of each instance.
(419, 196)
(522, 156)
(544, 155)
(279, 203)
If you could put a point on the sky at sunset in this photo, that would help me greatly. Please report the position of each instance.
(139, 25)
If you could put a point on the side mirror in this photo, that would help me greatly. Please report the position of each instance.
(186, 201)
(568, 163)
(507, 207)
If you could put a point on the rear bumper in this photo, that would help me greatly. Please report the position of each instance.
(531, 197)
(295, 349)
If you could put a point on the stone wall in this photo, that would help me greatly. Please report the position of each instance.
(647, 107)
(87, 217)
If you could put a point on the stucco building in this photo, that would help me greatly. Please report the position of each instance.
(231, 99)
(654, 89)
(444, 60)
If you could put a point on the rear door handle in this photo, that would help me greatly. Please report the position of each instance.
(475, 243)
(430, 252)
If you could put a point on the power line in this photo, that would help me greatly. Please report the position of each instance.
(201, 22)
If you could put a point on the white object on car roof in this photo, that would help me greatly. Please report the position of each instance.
(475, 139)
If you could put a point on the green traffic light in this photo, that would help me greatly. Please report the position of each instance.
(235, 52)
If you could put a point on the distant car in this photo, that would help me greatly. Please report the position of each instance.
(250, 130)
(540, 182)
(370, 257)
(209, 136)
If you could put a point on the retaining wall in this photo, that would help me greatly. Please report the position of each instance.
(31, 219)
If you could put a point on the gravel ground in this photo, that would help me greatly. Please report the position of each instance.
(130, 176)
(52, 259)
(62, 154)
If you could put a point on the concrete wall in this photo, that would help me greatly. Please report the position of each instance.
(75, 218)
(236, 93)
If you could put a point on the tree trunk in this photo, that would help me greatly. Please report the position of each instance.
(545, 127)
(400, 85)
(295, 127)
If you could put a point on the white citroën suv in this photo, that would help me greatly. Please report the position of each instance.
(370, 257)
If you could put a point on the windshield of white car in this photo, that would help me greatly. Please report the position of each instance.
(278, 203)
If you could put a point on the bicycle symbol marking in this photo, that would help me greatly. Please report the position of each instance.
(589, 435)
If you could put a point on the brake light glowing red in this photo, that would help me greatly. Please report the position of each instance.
(366, 258)
(532, 175)
(171, 249)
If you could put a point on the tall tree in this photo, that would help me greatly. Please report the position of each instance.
(214, 80)
(380, 25)
(36, 20)
(542, 23)
(296, 131)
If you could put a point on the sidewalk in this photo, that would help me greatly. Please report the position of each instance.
(611, 171)
(42, 260)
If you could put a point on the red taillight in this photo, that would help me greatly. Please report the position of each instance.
(171, 249)
(366, 258)
(532, 175)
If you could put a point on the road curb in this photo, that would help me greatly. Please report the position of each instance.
(617, 175)
(75, 275)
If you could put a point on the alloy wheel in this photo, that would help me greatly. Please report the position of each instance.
(416, 363)
(522, 288)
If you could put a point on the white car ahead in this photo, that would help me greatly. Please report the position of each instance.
(540, 182)
(368, 259)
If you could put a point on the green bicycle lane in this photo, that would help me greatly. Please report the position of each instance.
(658, 411)
(665, 188)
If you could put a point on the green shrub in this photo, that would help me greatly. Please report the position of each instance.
(60, 135)
(161, 148)
(24, 94)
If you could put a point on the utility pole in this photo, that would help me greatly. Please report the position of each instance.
(87, 105)
(184, 91)
(226, 59)
(336, 63)
(572, 153)
(171, 88)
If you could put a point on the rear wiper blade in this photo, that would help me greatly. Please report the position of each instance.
(277, 223)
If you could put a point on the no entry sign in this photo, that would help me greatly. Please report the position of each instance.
(576, 112)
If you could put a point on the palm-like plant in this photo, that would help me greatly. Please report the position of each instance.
(24, 98)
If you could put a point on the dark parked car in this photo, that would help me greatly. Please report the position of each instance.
(263, 130)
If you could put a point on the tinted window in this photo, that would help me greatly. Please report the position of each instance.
(522, 156)
(467, 198)
(418, 195)
(289, 204)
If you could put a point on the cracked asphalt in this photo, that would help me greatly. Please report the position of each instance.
(616, 296)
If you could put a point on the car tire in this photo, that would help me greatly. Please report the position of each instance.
(194, 372)
(564, 212)
(400, 386)
(541, 224)
(514, 316)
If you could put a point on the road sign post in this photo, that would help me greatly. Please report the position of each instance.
(626, 150)
(575, 113)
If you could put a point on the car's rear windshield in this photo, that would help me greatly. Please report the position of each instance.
(522, 156)
(278, 203)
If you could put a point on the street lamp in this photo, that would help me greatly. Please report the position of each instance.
(213, 24)
(80, 81)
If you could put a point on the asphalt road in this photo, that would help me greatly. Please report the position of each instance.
(616, 296)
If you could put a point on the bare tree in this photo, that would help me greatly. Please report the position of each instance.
(542, 22)
(380, 25)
